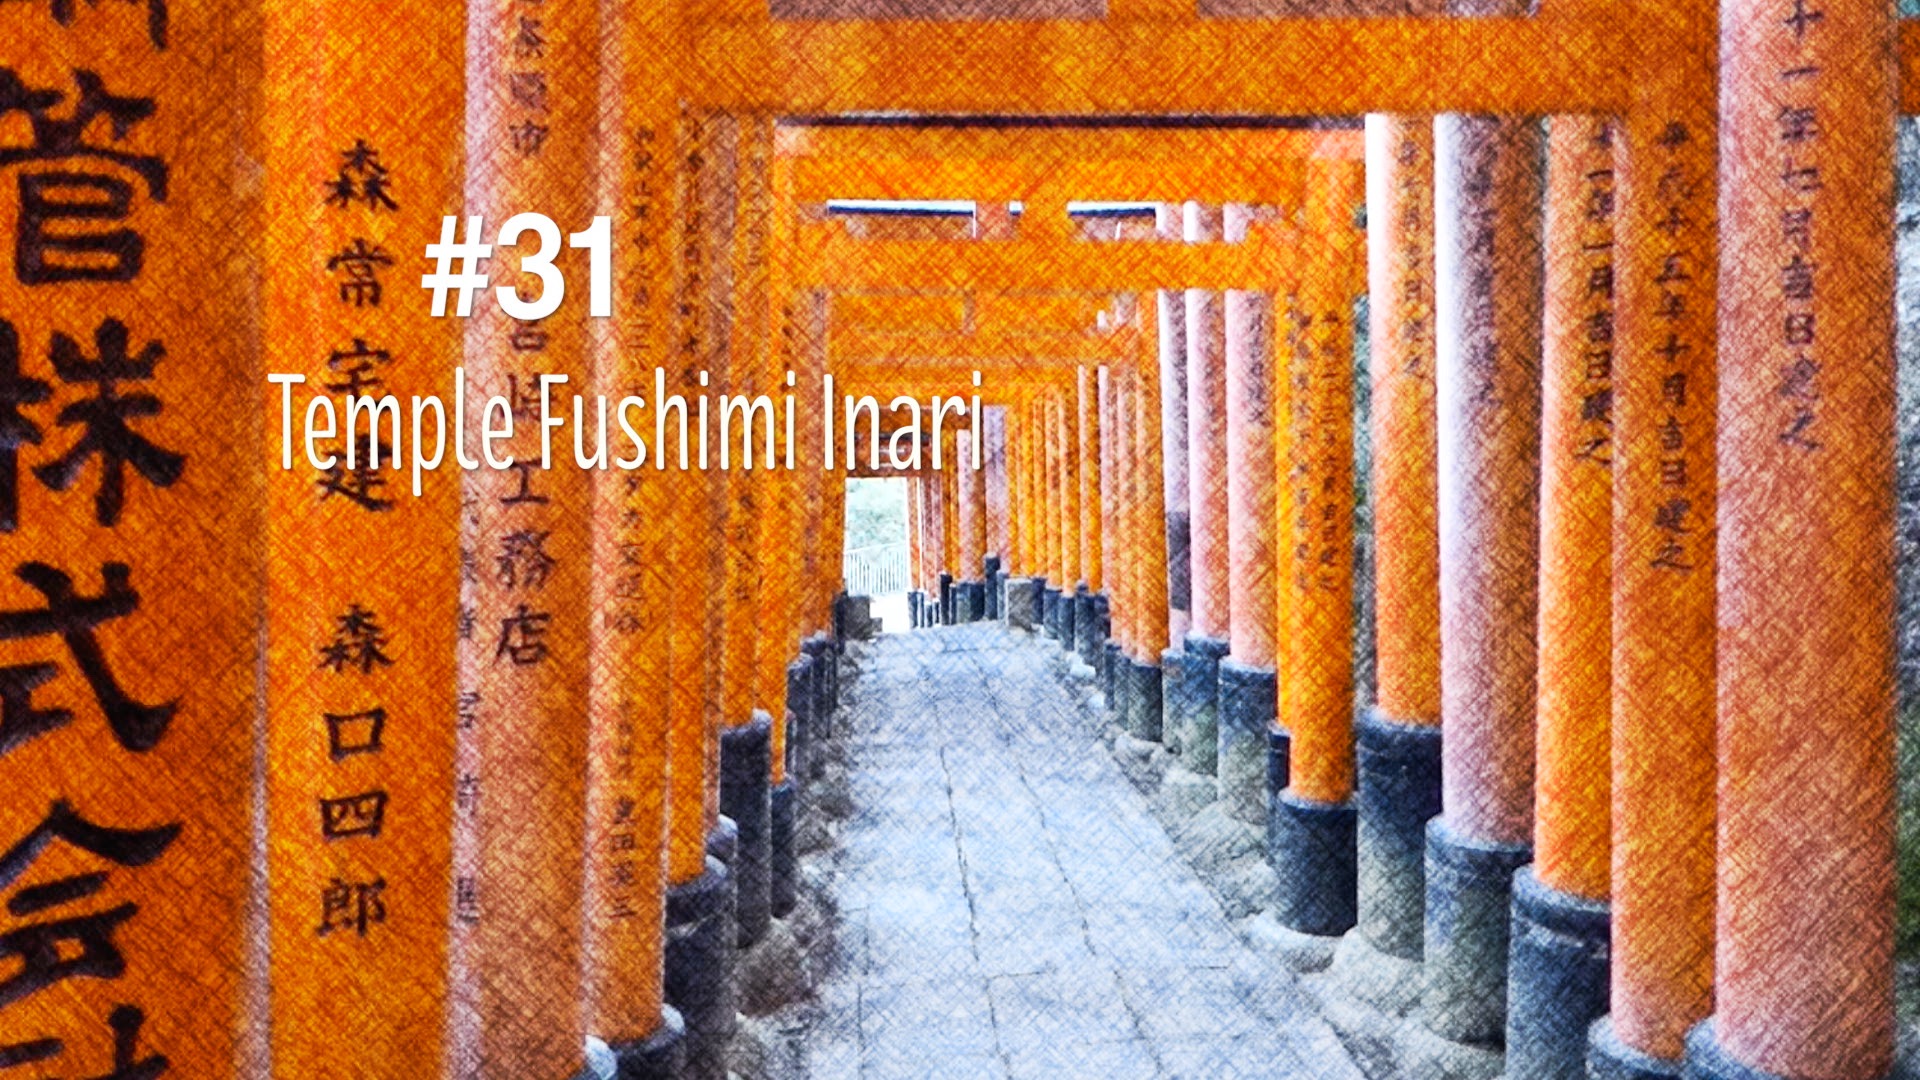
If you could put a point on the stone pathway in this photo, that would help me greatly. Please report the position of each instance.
(1009, 908)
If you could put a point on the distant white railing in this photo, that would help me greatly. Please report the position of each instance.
(877, 570)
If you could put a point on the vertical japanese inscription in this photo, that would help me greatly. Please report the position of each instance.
(532, 77)
(363, 578)
(127, 641)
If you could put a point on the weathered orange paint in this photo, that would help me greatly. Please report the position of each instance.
(1248, 319)
(1804, 969)
(1405, 508)
(517, 967)
(1207, 441)
(1315, 563)
(1663, 606)
(1572, 778)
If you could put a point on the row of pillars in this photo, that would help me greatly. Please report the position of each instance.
(1626, 786)
(488, 778)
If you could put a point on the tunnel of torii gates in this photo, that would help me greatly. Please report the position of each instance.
(1630, 760)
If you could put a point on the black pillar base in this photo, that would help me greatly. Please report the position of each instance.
(1468, 921)
(1102, 621)
(746, 761)
(1610, 1059)
(799, 708)
(820, 719)
(1200, 745)
(946, 599)
(1143, 701)
(976, 601)
(1050, 610)
(699, 967)
(916, 600)
(1246, 714)
(1279, 763)
(994, 609)
(1557, 972)
(660, 1056)
(1086, 627)
(1310, 845)
(1176, 700)
(1398, 793)
(1110, 659)
(783, 883)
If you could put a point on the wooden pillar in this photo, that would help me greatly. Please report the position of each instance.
(1207, 442)
(1399, 738)
(1088, 404)
(1558, 983)
(142, 264)
(1805, 945)
(1247, 704)
(1487, 259)
(1171, 324)
(517, 908)
(1664, 625)
(633, 580)
(699, 897)
(359, 903)
(999, 520)
(1311, 823)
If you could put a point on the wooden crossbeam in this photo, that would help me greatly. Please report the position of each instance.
(1574, 62)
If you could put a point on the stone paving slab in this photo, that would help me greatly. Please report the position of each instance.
(1009, 907)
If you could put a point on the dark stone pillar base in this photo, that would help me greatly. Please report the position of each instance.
(660, 1056)
(1111, 659)
(1200, 744)
(820, 719)
(946, 599)
(699, 967)
(1468, 919)
(1086, 628)
(1021, 598)
(1050, 610)
(1310, 845)
(1399, 792)
(1176, 702)
(1610, 1059)
(994, 608)
(1143, 714)
(783, 883)
(1708, 1060)
(1246, 713)
(1557, 972)
(799, 716)
(746, 761)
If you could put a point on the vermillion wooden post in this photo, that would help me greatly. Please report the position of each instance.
(714, 202)
(131, 590)
(1122, 572)
(1558, 969)
(1196, 699)
(950, 528)
(746, 724)
(700, 893)
(999, 523)
(634, 580)
(1247, 681)
(1805, 944)
(1173, 431)
(1086, 616)
(1053, 492)
(780, 675)
(518, 897)
(1398, 740)
(939, 539)
(1151, 542)
(1070, 573)
(1311, 824)
(1663, 553)
(1487, 253)
(361, 658)
(1112, 512)
(1020, 595)
(916, 546)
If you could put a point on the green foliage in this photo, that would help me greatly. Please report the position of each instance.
(876, 512)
